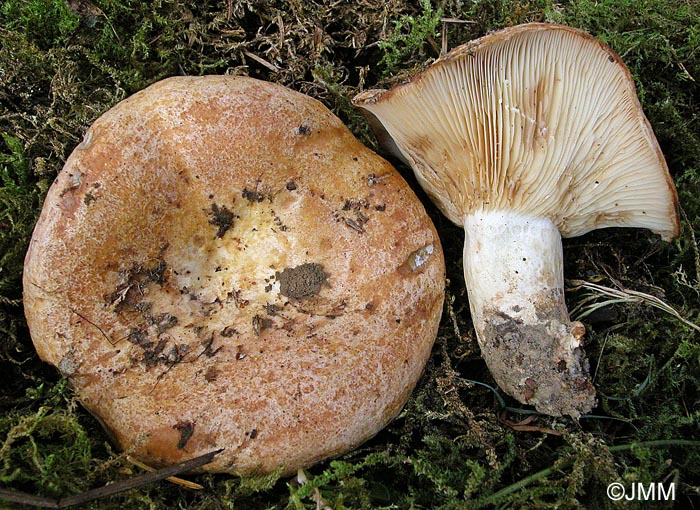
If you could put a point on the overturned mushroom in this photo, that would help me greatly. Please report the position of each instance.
(195, 275)
(523, 136)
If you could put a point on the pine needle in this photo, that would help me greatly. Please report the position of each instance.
(173, 479)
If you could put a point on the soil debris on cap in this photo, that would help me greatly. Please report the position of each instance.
(130, 290)
(89, 198)
(252, 196)
(302, 281)
(222, 217)
(186, 430)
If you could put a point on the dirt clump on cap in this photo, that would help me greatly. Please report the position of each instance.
(302, 281)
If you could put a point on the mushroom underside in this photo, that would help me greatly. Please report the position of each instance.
(536, 125)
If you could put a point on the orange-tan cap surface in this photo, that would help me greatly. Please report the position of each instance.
(221, 264)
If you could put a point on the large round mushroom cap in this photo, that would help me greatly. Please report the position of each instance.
(221, 264)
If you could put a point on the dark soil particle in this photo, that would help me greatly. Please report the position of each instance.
(186, 430)
(252, 196)
(165, 321)
(261, 323)
(280, 225)
(221, 217)
(356, 205)
(208, 347)
(211, 374)
(89, 198)
(137, 336)
(302, 281)
(153, 355)
(228, 332)
(272, 309)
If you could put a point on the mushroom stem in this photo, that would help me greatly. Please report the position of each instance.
(513, 268)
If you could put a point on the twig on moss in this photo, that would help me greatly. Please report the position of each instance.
(111, 489)
(172, 479)
(445, 23)
(261, 61)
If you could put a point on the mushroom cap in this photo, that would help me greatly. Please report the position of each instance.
(539, 118)
(221, 264)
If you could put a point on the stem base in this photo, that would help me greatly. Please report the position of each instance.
(513, 267)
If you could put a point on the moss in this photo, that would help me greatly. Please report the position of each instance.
(49, 22)
(19, 201)
(409, 38)
(458, 443)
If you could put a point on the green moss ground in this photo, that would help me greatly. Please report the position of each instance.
(457, 444)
